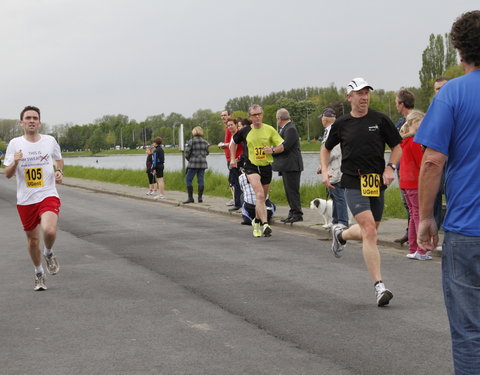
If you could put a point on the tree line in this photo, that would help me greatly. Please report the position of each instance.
(304, 104)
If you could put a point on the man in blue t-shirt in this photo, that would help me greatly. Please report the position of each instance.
(451, 134)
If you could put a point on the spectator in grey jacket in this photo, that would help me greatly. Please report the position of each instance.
(196, 154)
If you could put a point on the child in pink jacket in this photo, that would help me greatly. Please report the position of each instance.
(411, 160)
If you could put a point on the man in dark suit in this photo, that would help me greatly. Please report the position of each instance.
(289, 164)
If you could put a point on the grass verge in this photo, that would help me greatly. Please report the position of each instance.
(216, 185)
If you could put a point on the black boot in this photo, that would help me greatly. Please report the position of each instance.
(403, 239)
(190, 195)
(200, 193)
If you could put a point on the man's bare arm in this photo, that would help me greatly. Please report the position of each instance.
(10, 170)
(324, 159)
(428, 186)
(233, 153)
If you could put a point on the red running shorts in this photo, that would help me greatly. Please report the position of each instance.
(30, 214)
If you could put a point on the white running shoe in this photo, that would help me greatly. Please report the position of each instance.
(417, 256)
(160, 196)
(337, 247)
(52, 263)
(39, 282)
(382, 294)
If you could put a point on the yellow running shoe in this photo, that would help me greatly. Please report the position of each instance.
(257, 231)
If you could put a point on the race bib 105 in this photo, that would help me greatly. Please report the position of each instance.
(34, 177)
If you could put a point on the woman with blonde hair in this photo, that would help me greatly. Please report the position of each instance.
(411, 160)
(196, 154)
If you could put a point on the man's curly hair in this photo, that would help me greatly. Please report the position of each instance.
(466, 37)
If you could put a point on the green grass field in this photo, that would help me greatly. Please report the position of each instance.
(215, 185)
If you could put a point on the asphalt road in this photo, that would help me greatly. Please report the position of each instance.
(152, 289)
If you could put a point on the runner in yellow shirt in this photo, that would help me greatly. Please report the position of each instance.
(261, 141)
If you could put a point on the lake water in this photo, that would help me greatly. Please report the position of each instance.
(173, 162)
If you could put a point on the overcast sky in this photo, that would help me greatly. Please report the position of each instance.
(81, 59)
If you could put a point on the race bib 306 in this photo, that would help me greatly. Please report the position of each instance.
(370, 185)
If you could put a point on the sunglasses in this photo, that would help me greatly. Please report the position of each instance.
(256, 114)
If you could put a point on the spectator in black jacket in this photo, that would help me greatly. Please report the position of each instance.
(289, 164)
(158, 165)
(152, 183)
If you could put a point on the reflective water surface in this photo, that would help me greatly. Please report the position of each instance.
(173, 162)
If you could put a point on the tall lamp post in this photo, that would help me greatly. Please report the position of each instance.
(173, 132)
(181, 143)
(308, 120)
(308, 128)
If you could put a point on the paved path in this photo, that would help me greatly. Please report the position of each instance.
(152, 288)
(390, 229)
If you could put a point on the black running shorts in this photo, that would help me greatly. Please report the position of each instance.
(358, 203)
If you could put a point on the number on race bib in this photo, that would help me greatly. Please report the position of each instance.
(259, 153)
(370, 185)
(34, 177)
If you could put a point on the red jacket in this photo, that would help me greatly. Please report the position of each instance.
(410, 163)
(226, 140)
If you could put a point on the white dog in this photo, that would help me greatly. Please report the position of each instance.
(325, 209)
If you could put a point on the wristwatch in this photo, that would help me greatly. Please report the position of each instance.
(393, 166)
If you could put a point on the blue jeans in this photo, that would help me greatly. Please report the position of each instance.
(461, 289)
(191, 172)
(340, 211)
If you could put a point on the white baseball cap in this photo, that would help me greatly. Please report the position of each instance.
(357, 84)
